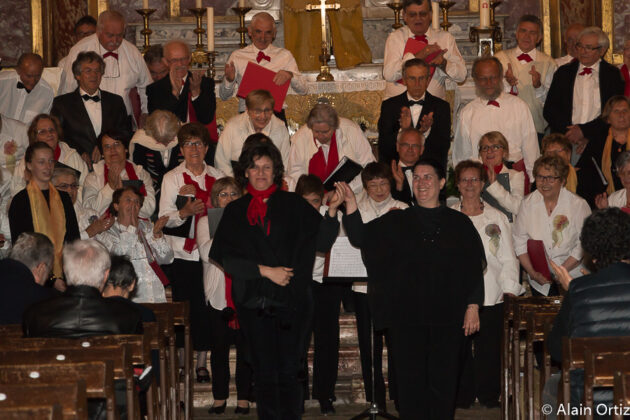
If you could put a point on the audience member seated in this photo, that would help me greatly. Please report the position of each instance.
(620, 197)
(448, 64)
(88, 111)
(319, 145)
(416, 108)
(24, 276)
(153, 58)
(84, 27)
(259, 118)
(13, 141)
(595, 304)
(40, 207)
(503, 188)
(112, 173)
(140, 240)
(90, 224)
(46, 128)
(558, 145)
(570, 42)
(495, 110)
(409, 147)
(528, 71)
(24, 94)
(580, 90)
(225, 329)
(81, 311)
(481, 376)
(125, 68)
(553, 215)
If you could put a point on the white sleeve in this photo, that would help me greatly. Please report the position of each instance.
(161, 248)
(223, 154)
(226, 89)
(393, 59)
(582, 211)
(298, 162)
(541, 91)
(455, 64)
(298, 81)
(519, 231)
(529, 145)
(509, 200)
(462, 147)
(148, 207)
(95, 196)
(509, 263)
(204, 241)
(168, 196)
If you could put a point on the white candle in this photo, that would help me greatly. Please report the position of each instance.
(198, 4)
(435, 20)
(241, 3)
(484, 13)
(145, 4)
(210, 29)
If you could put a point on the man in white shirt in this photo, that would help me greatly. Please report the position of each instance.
(495, 110)
(84, 27)
(24, 94)
(259, 118)
(13, 142)
(262, 32)
(528, 72)
(124, 66)
(570, 40)
(448, 64)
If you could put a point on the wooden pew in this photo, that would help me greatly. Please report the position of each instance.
(599, 371)
(32, 412)
(154, 333)
(11, 330)
(621, 393)
(169, 385)
(70, 396)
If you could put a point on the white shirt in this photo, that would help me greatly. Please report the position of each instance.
(94, 110)
(281, 59)
(394, 59)
(587, 104)
(509, 200)
(533, 222)
(213, 274)
(502, 272)
(416, 110)
(351, 142)
(618, 199)
(236, 131)
(124, 240)
(513, 119)
(97, 194)
(17, 104)
(564, 60)
(120, 76)
(68, 156)
(12, 131)
(171, 184)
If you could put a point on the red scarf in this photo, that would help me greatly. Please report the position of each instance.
(233, 322)
(318, 165)
(497, 168)
(520, 166)
(626, 76)
(131, 174)
(191, 243)
(257, 210)
(57, 152)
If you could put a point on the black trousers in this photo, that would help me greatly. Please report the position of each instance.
(426, 361)
(276, 346)
(481, 370)
(327, 299)
(186, 279)
(222, 337)
(364, 324)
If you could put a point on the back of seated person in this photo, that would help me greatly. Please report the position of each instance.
(81, 311)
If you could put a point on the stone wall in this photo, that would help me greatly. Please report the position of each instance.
(15, 31)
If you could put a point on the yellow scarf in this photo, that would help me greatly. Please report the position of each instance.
(51, 223)
(571, 180)
(607, 160)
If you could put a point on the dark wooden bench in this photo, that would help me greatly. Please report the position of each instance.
(32, 412)
(599, 371)
(70, 396)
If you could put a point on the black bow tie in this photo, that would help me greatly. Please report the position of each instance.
(94, 98)
(20, 85)
(412, 103)
(407, 168)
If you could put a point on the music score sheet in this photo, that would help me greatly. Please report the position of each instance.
(345, 260)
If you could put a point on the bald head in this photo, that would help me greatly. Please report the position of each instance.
(30, 67)
(571, 37)
(110, 29)
(262, 30)
(177, 57)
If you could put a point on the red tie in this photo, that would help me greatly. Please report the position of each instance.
(110, 54)
(587, 70)
(261, 56)
(524, 57)
(494, 103)
(422, 38)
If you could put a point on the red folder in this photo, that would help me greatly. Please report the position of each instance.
(538, 257)
(258, 77)
(414, 46)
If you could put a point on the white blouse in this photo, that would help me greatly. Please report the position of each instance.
(618, 198)
(213, 274)
(502, 272)
(121, 240)
(560, 231)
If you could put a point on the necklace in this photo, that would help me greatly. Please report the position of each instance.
(463, 210)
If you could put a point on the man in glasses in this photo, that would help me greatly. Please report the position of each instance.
(410, 147)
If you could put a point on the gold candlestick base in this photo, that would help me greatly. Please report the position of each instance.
(396, 7)
(444, 6)
(242, 30)
(211, 56)
(485, 38)
(324, 71)
(199, 57)
(145, 13)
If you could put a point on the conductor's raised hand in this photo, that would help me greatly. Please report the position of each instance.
(562, 275)
(230, 72)
(509, 76)
(471, 320)
(279, 275)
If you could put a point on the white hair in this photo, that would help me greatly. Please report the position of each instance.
(85, 263)
(172, 42)
(602, 39)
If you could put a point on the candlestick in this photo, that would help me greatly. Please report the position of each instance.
(242, 11)
(210, 28)
(445, 5)
(396, 7)
(145, 13)
(212, 55)
(198, 4)
(493, 5)
(485, 38)
(435, 18)
(145, 4)
(484, 13)
(199, 56)
(241, 3)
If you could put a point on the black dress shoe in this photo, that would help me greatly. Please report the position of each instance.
(326, 407)
(203, 376)
(241, 410)
(217, 409)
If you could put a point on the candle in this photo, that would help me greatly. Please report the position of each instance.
(145, 4)
(241, 3)
(198, 4)
(435, 20)
(484, 13)
(210, 28)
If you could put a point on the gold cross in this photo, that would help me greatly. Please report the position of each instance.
(322, 7)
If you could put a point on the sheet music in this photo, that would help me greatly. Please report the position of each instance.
(345, 260)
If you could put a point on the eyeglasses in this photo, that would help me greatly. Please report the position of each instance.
(375, 186)
(191, 144)
(469, 180)
(580, 46)
(114, 145)
(413, 146)
(91, 71)
(544, 179)
(67, 186)
(493, 147)
(46, 131)
(258, 111)
(228, 194)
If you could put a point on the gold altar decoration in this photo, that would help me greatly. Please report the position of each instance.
(146, 31)
(96, 7)
(242, 30)
(444, 6)
(473, 5)
(552, 33)
(396, 7)
(324, 71)
(199, 56)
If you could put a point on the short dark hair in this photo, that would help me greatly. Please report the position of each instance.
(251, 141)
(437, 166)
(257, 150)
(119, 192)
(482, 60)
(309, 184)
(153, 54)
(87, 57)
(531, 19)
(114, 135)
(31, 149)
(415, 62)
(32, 129)
(407, 3)
(85, 20)
(556, 138)
(193, 130)
(121, 273)
(605, 237)
(553, 163)
(470, 164)
(374, 170)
